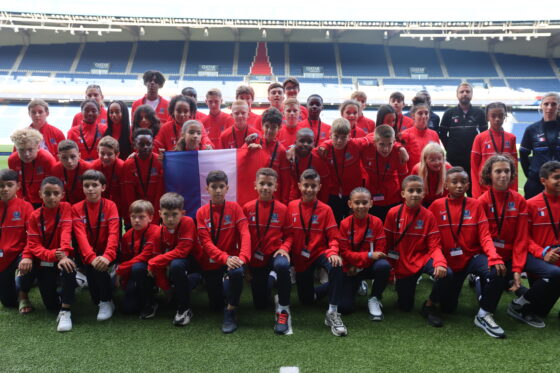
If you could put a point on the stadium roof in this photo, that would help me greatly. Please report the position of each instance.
(399, 11)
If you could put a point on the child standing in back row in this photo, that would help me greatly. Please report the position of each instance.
(88, 133)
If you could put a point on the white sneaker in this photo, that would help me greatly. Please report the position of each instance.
(81, 280)
(106, 310)
(333, 320)
(375, 309)
(489, 325)
(182, 319)
(64, 321)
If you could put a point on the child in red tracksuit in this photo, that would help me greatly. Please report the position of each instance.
(491, 142)
(275, 151)
(315, 245)
(143, 172)
(217, 121)
(367, 125)
(269, 226)
(432, 168)
(69, 169)
(110, 164)
(96, 226)
(15, 214)
(138, 246)
(118, 127)
(47, 255)
(31, 163)
(385, 170)
(544, 235)
(351, 111)
(226, 242)
(306, 158)
(342, 153)
(414, 247)
(363, 250)
(38, 111)
(234, 136)
(178, 247)
(287, 133)
(93, 92)
(416, 138)
(508, 215)
(468, 248)
(321, 131)
(154, 81)
(88, 133)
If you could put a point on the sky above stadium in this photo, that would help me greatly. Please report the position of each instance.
(401, 10)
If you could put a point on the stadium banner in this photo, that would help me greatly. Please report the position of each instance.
(185, 173)
(100, 68)
(313, 71)
(208, 70)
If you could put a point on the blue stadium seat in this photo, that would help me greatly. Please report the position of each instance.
(538, 85)
(210, 53)
(115, 53)
(524, 66)
(312, 54)
(276, 57)
(49, 57)
(98, 76)
(467, 64)
(8, 55)
(498, 83)
(518, 129)
(423, 82)
(363, 60)
(164, 56)
(406, 57)
(247, 53)
(526, 116)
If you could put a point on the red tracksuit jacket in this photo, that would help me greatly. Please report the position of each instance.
(51, 137)
(414, 140)
(231, 230)
(313, 233)
(114, 176)
(101, 119)
(137, 247)
(143, 179)
(233, 137)
(474, 237)
(87, 137)
(321, 130)
(541, 233)
(430, 190)
(51, 232)
(485, 145)
(170, 133)
(384, 175)
(73, 187)
(421, 242)
(161, 109)
(32, 174)
(96, 238)
(365, 124)
(515, 230)
(13, 236)
(287, 135)
(270, 240)
(312, 160)
(215, 125)
(356, 241)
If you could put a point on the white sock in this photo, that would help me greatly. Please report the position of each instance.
(482, 313)
(283, 308)
(333, 308)
(521, 301)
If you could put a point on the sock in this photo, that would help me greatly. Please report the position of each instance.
(333, 308)
(521, 301)
(283, 308)
(482, 313)
(65, 309)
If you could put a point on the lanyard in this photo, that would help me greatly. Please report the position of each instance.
(407, 226)
(318, 130)
(339, 177)
(175, 237)
(215, 234)
(175, 131)
(89, 148)
(235, 138)
(76, 177)
(3, 218)
(88, 225)
(297, 165)
(23, 183)
(110, 184)
(148, 177)
(494, 142)
(357, 248)
(458, 234)
(142, 242)
(55, 226)
(273, 156)
(267, 227)
(555, 229)
(307, 232)
(499, 222)
(387, 166)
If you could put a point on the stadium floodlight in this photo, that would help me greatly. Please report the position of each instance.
(327, 34)
(263, 35)
(206, 32)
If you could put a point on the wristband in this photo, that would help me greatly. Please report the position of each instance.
(370, 255)
(545, 250)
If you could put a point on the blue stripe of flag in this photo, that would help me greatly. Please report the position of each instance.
(182, 176)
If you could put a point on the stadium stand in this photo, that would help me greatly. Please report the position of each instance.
(312, 54)
(537, 85)
(404, 58)
(468, 64)
(518, 66)
(210, 53)
(49, 57)
(372, 61)
(164, 56)
(116, 54)
(8, 55)
(276, 56)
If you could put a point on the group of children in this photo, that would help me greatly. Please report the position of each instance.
(358, 201)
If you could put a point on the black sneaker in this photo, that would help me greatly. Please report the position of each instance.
(229, 325)
(519, 312)
(431, 315)
(149, 311)
(283, 320)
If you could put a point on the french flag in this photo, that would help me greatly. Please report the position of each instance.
(185, 173)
